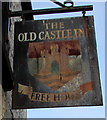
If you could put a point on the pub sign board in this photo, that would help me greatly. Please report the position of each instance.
(55, 64)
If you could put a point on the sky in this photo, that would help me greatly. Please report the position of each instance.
(99, 21)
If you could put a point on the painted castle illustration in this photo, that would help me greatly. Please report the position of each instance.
(56, 58)
(55, 70)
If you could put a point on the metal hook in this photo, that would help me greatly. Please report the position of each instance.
(84, 12)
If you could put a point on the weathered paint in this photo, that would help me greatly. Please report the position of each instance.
(55, 64)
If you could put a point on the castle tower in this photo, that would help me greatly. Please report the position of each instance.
(46, 67)
(54, 50)
(64, 61)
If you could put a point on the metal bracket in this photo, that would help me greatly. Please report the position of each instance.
(70, 2)
(52, 11)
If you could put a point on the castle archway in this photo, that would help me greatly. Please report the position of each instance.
(55, 68)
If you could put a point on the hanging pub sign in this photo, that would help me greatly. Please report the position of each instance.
(55, 64)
